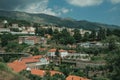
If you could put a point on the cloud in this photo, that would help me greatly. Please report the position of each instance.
(31, 6)
(65, 10)
(115, 1)
(84, 3)
(37, 7)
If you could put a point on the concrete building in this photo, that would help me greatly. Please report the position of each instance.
(63, 53)
(30, 40)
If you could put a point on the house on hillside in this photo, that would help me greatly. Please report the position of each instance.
(63, 53)
(51, 52)
(31, 30)
(17, 66)
(14, 26)
(82, 31)
(30, 40)
(42, 73)
(28, 63)
(73, 77)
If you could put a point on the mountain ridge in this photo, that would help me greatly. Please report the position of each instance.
(53, 20)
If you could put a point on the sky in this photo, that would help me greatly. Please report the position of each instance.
(103, 11)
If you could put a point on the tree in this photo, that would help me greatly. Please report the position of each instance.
(36, 26)
(56, 36)
(77, 36)
(93, 50)
(113, 64)
(65, 37)
(66, 69)
(116, 32)
(108, 32)
(86, 36)
(112, 40)
(57, 53)
(34, 50)
(12, 46)
(30, 76)
(36, 31)
(40, 31)
(78, 72)
(58, 77)
(93, 35)
(6, 25)
(50, 31)
(15, 29)
(101, 34)
(47, 76)
(70, 40)
(1, 59)
(4, 40)
(6, 37)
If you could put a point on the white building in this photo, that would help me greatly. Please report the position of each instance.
(4, 30)
(31, 30)
(51, 52)
(63, 53)
(30, 40)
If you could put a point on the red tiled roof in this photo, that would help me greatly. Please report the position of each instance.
(62, 50)
(17, 66)
(31, 59)
(38, 72)
(43, 72)
(72, 77)
(42, 49)
(37, 57)
(52, 50)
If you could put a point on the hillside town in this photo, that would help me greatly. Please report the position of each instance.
(59, 39)
(55, 53)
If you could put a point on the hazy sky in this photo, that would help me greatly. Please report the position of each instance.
(104, 11)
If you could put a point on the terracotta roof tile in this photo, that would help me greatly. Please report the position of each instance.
(38, 72)
(52, 50)
(17, 66)
(31, 59)
(72, 77)
(62, 50)
(42, 72)
(37, 57)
